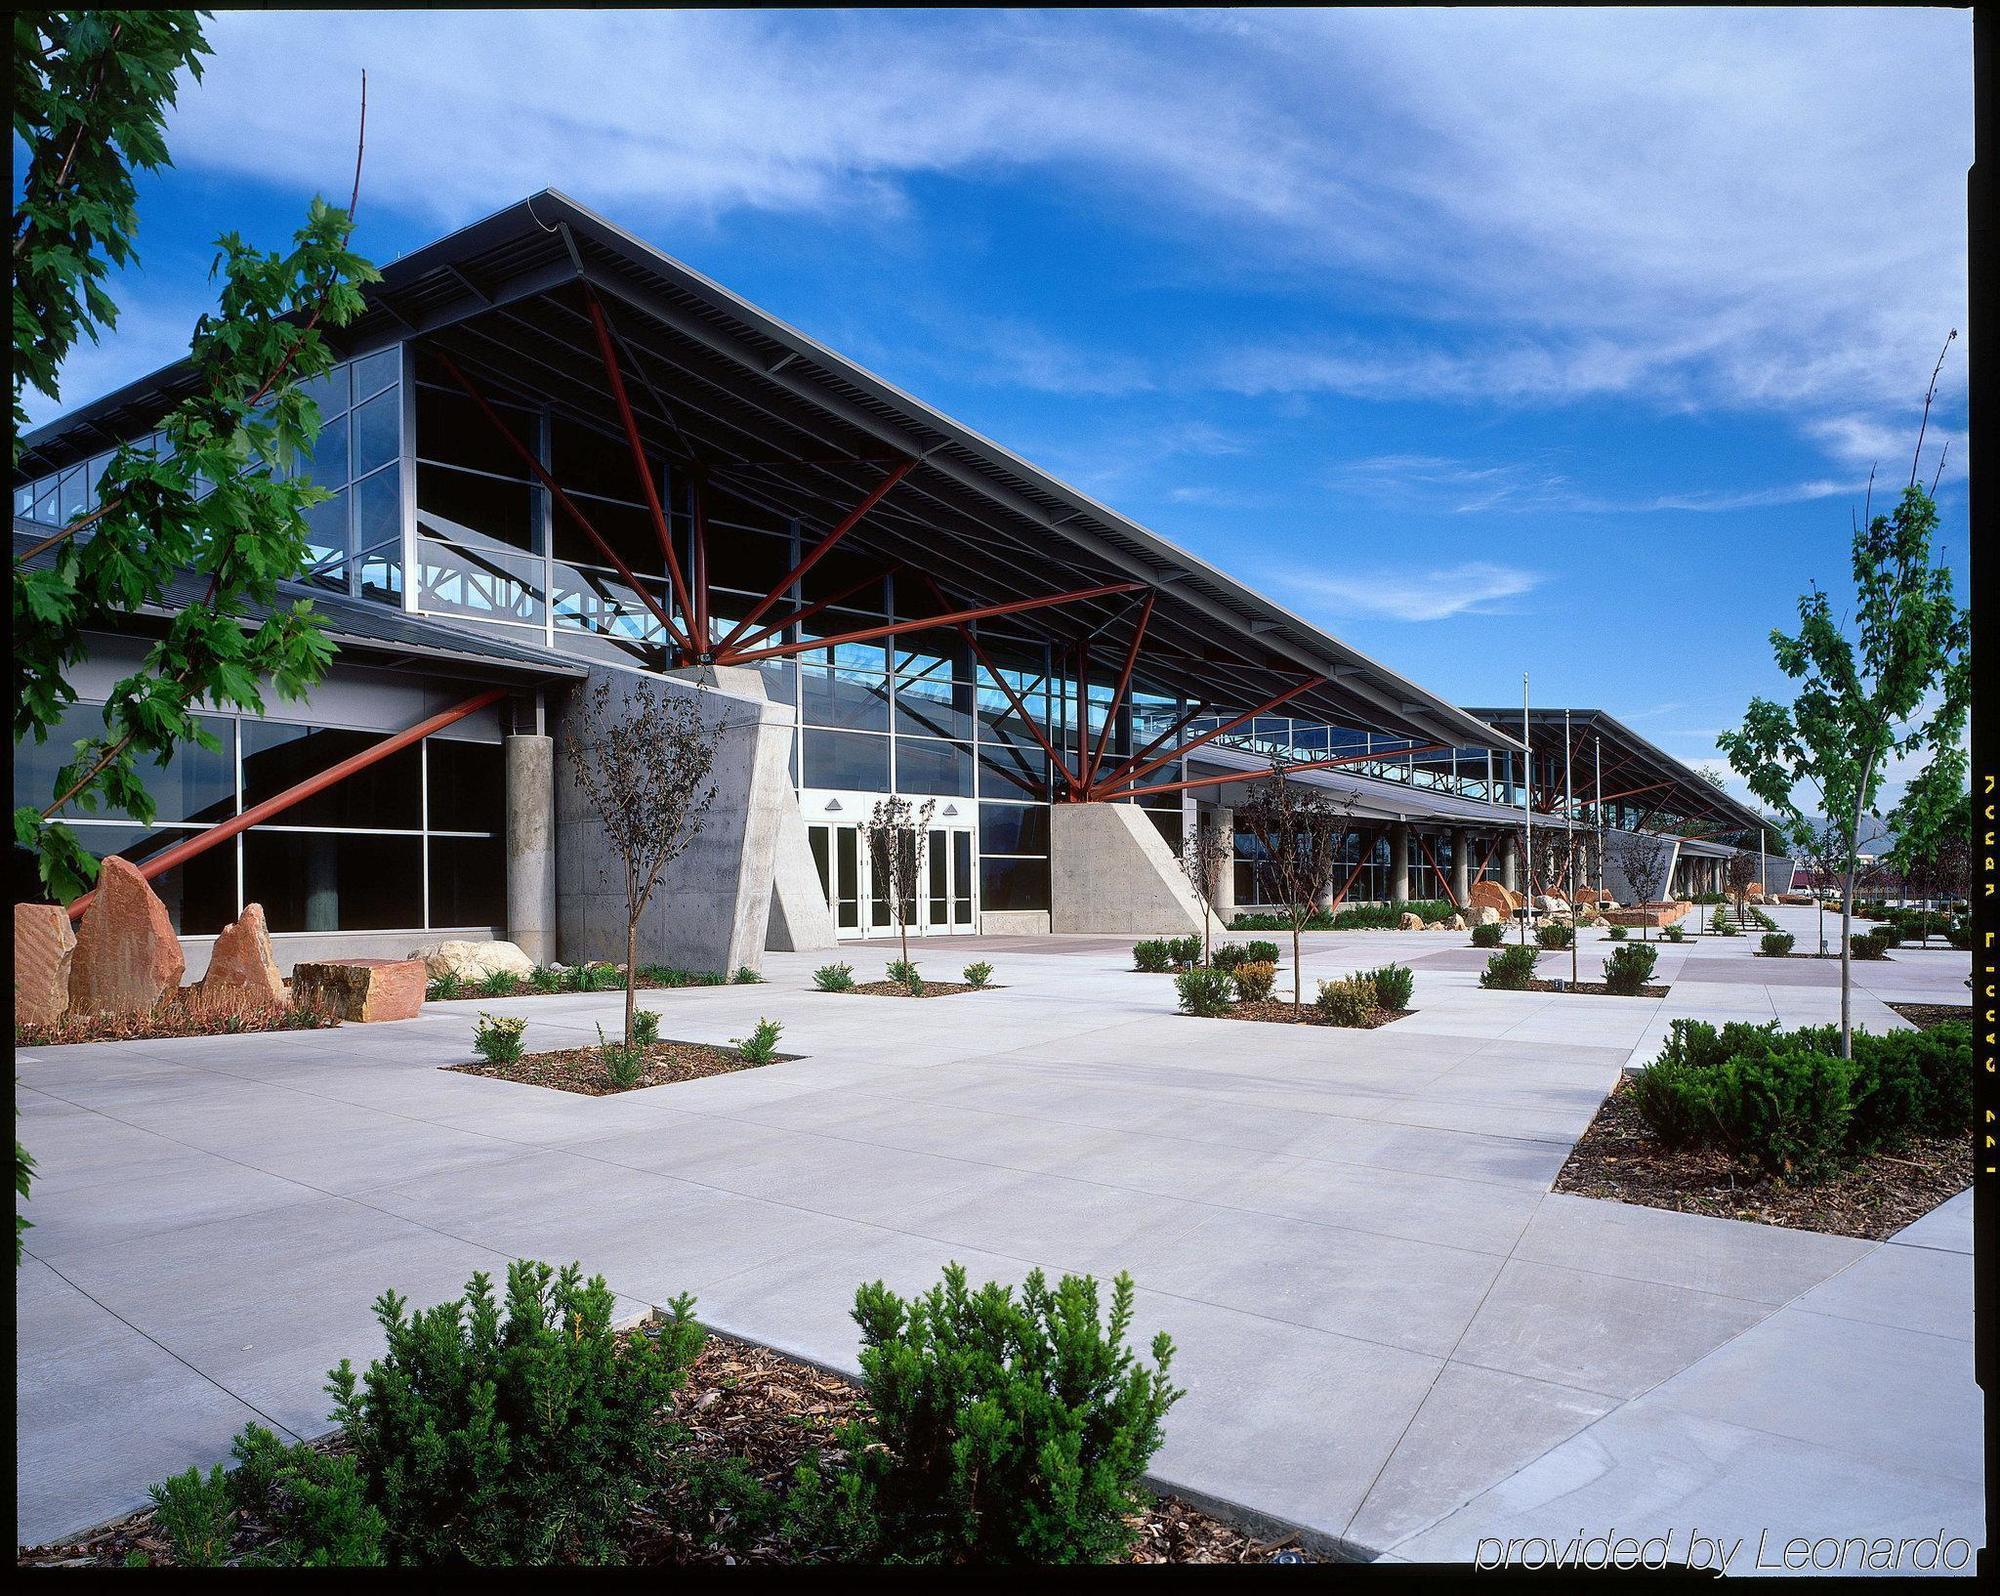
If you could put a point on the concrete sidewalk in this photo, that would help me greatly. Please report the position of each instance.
(1383, 1315)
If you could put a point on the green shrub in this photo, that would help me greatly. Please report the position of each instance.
(834, 978)
(745, 976)
(1205, 993)
(497, 1037)
(1629, 968)
(624, 1063)
(1673, 933)
(1960, 935)
(1719, 923)
(315, 1503)
(1674, 1099)
(1184, 953)
(1889, 935)
(496, 983)
(522, 1435)
(1555, 936)
(1389, 916)
(1868, 945)
(761, 1045)
(1006, 1431)
(544, 979)
(1231, 955)
(1318, 920)
(1346, 1002)
(1910, 1082)
(905, 974)
(1255, 981)
(1509, 970)
(979, 974)
(1785, 1109)
(1488, 936)
(1776, 944)
(594, 977)
(1617, 933)
(443, 988)
(1153, 956)
(1394, 984)
(645, 1026)
(195, 1514)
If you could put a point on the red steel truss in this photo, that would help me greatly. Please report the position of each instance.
(982, 612)
(1103, 793)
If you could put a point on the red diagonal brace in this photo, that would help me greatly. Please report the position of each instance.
(1264, 708)
(815, 554)
(1118, 695)
(1430, 859)
(1179, 726)
(921, 623)
(638, 449)
(563, 499)
(798, 617)
(1105, 794)
(1354, 875)
(202, 841)
(1014, 698)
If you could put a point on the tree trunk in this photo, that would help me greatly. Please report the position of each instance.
(1846, 922)
(1298, 988)
(631, 974)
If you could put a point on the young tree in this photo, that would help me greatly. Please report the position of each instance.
(1299, 831)
(897, 833)
(1823, 847)
(1645, 856)
(1743, 868)
(643, 760)
(1933, 848)
(1206, 852)
(1899, 688)
(223, 500)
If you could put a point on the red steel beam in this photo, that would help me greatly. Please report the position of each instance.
(201, 842)
(1082, 714)
(631, 425)
(1354, 875)
(1633, 791)
(1250, 775)
(1430, 859)
(1179, 726)
(569, 508)
(702, 643)
(956, 618)
(1118, 695)
(799, 616)
(1492, 848)
(1264, 708)
(1020, 708)
(817, 552)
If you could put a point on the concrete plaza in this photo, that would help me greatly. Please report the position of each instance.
(1392, 1333)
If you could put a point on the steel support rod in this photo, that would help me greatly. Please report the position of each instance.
(1354, 875)
(1107, 795)
(1118, 694)
(1431, 860)
(1264, 708)
(956, 618)
(638, 447)
(817, 552)
(1123, 771)
(202, 841)
(798, 617)
(703, 646)
(542, 476)
(1013, 698)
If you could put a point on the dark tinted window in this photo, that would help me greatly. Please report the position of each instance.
(848, 760)
(1014, 883)
(1014, 828)
(317, 881)
(386, 794)
(468, 786)
(468, 881)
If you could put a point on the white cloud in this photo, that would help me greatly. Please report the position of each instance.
(1404, 595)
(1536, 486)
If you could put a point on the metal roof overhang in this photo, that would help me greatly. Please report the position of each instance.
(1630, 765)
(1373, 799)
(788, 423)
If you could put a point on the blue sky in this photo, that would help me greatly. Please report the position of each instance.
(1559, 341)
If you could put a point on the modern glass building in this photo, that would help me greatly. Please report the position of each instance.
(556, 452)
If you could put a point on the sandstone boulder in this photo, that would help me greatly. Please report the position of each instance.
(1491, 895)
(1410, 922)
(127, 956)
(1455, 923)
(43, 947)
(241, 965)
(1549, 904)
(474, 961)
(363, 990)
(1486, 915)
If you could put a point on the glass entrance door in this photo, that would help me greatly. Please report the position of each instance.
(857, 888)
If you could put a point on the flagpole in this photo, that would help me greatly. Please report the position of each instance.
(1527, 820)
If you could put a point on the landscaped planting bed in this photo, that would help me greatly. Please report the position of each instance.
(1281, 1012)
(1924, 1016)
(582, 1069)
(554, 981)
(188, 1012)
(930, 989)
(1617, 1158)
(1598, 988)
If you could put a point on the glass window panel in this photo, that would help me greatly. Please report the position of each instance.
(326, 542)
(749, 561)
(961, 848)
(1006, 772)
(200, 895)
(325, 461)
(24, 501)
(71, 493)
(933, 708)
(1014, 828)
(196, 785)
(468, 785)
(453, 430)
(381, 575)
(378, 511)
(928, 765)
(377, 427)
(850, 700)
(386, 794)
(476, 510)
(1014, 883)
(468, 881)
(328, 392)
(372, 373)
(45, 503)
(581, 458)
(628, 528)
(487, 584)
(851, 760)
(326, 881)
(588, 600)
(840, 569)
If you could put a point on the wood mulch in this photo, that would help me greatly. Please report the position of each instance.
(931, 989)
(1278, 1011)
(1617, 1158)
(1926, 1015)
(581, 1069)
(188, 1012)
(1596, 988)
(739, 1402)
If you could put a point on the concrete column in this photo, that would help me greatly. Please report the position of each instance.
(1510, 862)
(1461, 865)
(1224, 821)
(531, 845)
(1399, 862)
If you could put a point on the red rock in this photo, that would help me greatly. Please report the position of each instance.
(43, 946)
(1491, 895)
(363, 989)
(127, 956)
(241, 960)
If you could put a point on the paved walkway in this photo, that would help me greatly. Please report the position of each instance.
(1384, 1317)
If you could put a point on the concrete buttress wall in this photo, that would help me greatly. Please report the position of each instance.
(531, 845)
(801, 918)
(1110, 871)
(713, 904)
